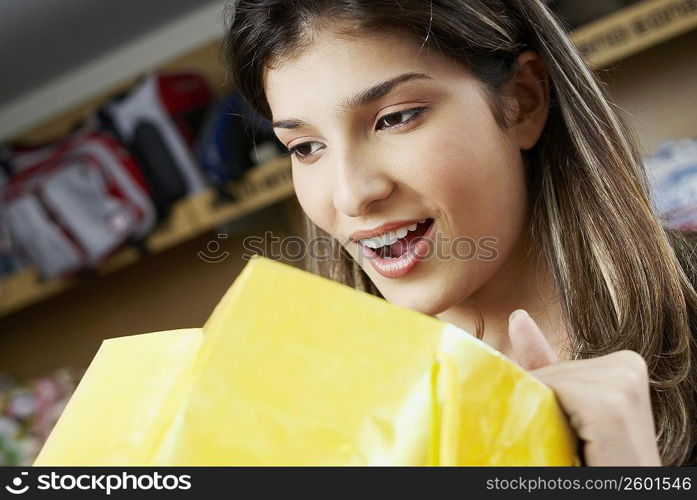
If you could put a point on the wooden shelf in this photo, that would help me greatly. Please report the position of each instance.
(263, 186)
(633, 29)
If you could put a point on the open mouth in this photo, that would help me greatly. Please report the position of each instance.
(397, 253)
(395, 244)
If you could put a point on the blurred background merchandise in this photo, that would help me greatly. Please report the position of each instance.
(131, 172)
(29, 411)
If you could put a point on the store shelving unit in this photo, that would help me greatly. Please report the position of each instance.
(191, 40)
(633, 29)
(605, 41)
(263, 186)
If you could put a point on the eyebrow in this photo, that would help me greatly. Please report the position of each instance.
(362, 98)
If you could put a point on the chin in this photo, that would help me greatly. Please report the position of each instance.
(422, 301)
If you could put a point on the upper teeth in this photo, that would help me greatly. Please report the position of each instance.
(390, 237)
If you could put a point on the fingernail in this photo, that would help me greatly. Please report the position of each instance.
(516, 313)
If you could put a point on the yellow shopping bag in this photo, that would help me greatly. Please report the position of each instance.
(293, 369)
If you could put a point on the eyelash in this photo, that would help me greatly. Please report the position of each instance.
(415, 112)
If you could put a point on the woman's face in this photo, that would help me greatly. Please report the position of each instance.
(385, 135)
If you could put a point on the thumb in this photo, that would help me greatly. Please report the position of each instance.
(530, 347)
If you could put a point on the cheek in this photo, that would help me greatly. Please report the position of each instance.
(314, 195)
(475, 176)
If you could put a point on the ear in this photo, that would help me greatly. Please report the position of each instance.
(529, 90)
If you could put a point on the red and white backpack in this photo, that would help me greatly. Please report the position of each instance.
(69, 205)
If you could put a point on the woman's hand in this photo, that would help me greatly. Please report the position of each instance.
(606, 398)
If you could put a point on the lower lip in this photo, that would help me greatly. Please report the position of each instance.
(403, 265)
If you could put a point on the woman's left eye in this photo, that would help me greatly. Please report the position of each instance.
(398, 119)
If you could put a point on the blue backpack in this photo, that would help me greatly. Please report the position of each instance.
(234, 139)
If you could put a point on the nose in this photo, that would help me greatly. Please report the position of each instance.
(359, 184)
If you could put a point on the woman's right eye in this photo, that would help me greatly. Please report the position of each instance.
(305, 150)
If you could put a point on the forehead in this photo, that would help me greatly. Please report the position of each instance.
(333, 67)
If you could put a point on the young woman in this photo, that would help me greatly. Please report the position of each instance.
(415, 126)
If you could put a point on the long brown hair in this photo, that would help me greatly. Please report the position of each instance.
(624, 280)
